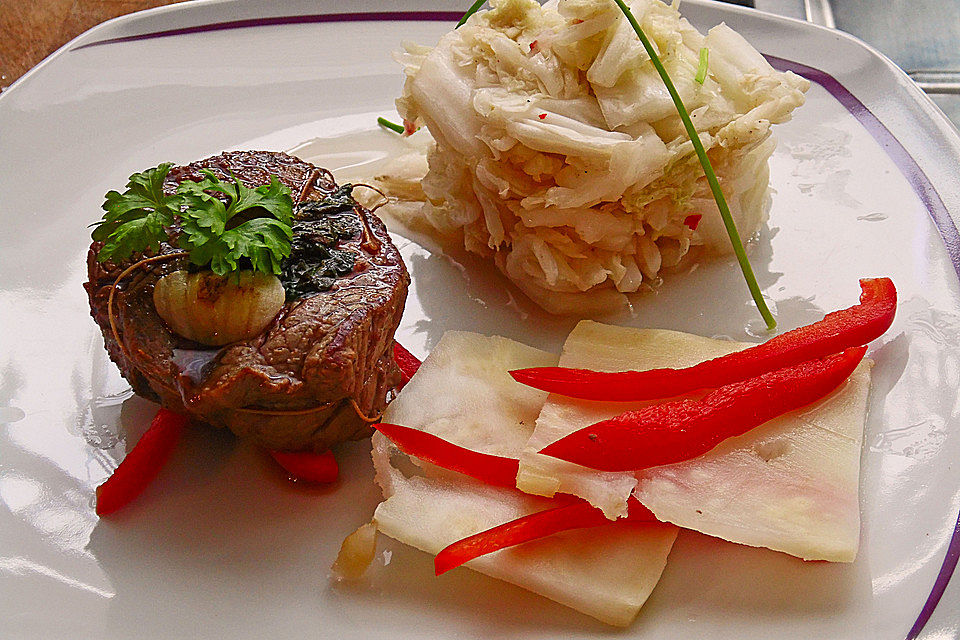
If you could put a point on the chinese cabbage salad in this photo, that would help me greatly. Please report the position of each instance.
(559, 152)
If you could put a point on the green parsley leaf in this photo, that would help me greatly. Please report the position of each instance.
(214, 234)
(135, 220)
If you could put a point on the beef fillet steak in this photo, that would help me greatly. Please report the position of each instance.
(289, 388)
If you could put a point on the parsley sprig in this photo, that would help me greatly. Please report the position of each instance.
(136, 219)
(254, 224)
(209, 232)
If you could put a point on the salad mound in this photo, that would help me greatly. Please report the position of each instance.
(559, 152)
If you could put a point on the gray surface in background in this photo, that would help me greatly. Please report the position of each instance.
(921, 36)
(949, 103)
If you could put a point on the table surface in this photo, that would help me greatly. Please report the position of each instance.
(30, 31)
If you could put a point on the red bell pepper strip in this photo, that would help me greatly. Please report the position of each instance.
(320, 468)
(502, 472)
(837, 331)
(407, 362)
(683, 429)
(574, 515)
(143, 463)
(494, 470)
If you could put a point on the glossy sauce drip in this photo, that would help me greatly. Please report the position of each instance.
(194, 364)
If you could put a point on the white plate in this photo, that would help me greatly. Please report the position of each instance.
(223, 546)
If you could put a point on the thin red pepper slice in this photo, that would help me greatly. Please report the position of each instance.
(683, 429)
(502, 472)
(575, 515)
(138, 469)
(494, 470)
(406, 361)
(320, 468)
(730, 408)
(837, 331)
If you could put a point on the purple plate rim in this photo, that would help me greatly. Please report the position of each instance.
(948, 233)
(905, 162)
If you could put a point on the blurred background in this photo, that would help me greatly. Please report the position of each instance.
(921, 36)
(30, 30)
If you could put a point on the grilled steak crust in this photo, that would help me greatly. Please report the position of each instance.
(291, 386)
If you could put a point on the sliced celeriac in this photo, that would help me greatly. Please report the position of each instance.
(463, 393)
(791, 485)
(607, 572)
(600, 347)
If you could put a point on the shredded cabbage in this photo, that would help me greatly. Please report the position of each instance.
(560, 154)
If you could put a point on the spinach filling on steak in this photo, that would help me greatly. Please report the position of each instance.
(315, 260)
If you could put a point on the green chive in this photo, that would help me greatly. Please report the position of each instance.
(472, 10)
(702, 69)
(383, 122)
(707, 169)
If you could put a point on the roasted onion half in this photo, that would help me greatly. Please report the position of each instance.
(217, 310)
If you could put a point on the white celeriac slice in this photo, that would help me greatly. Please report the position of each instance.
(791, 484)
(463, 393)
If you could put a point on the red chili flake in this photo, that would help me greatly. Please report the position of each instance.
(533, 46)
(693, 221)
(542, 116)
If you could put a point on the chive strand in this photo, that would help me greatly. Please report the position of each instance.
(472, 10)
(702, 69)
(383, 122)
(708, 171)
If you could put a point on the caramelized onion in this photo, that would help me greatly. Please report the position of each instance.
(217, 310)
